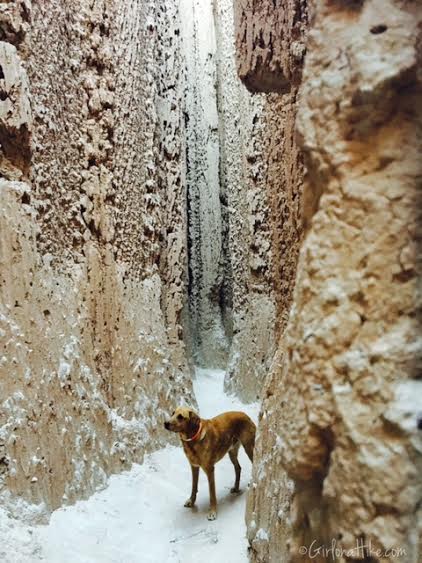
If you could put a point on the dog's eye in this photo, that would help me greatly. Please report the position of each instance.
(172, 414)
(179, 417)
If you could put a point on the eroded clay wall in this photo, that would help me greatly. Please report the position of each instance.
(209, 341)
(338, 454)
(93, 241)
(249, 304)
(244, 208)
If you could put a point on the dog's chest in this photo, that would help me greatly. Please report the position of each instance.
(191, 454)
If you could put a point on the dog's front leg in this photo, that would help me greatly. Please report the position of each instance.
(212, 514)
(195, 473)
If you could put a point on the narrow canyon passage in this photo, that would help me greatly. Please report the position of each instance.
(214, 203)
(231, 300)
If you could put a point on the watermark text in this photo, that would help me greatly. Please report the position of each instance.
(361, 550)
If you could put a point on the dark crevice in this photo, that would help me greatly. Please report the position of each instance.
(377, 29)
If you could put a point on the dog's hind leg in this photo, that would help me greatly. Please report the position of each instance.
(195, 474)
(233, 452)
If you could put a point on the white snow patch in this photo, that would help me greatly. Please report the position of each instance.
(17, 542)
(262, 535)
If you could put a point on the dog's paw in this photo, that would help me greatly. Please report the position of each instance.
(189, 503)
(234, 491)
(212, 515)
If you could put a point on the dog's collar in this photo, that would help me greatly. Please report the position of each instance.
(196, 436)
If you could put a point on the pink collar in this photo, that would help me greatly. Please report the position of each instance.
(196, 436)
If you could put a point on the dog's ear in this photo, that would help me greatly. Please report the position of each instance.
(193, 421)
(193, 417)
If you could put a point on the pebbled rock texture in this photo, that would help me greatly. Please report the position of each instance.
(248, 297)
(270, 43)
(93, 254)
(244, 207)
(264, 269)
(338, 455)
(209, 342)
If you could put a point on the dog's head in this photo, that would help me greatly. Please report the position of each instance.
(183, 420)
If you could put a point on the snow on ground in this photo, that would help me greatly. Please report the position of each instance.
(140, 517)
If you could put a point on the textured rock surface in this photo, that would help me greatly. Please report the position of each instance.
(220, 116)
(338, 455)
(264, 268)
(264, 237)
(243, 206)
(93, 241)
(248, 299)
(270, 43)
(209, 344)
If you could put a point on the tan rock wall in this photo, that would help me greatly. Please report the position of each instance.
(270, 43)
(92, 160)
(338, 455)
(234, 200)
(265, 228)
(209, 340)
(270, 227)
(244, 224)
(249, 302)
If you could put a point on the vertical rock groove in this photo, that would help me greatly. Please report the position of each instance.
(209, 340)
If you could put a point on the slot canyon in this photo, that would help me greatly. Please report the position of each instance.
(225, 185)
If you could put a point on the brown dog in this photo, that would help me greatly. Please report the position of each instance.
(206, 441)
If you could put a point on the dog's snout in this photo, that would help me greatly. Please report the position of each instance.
(166, 425)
